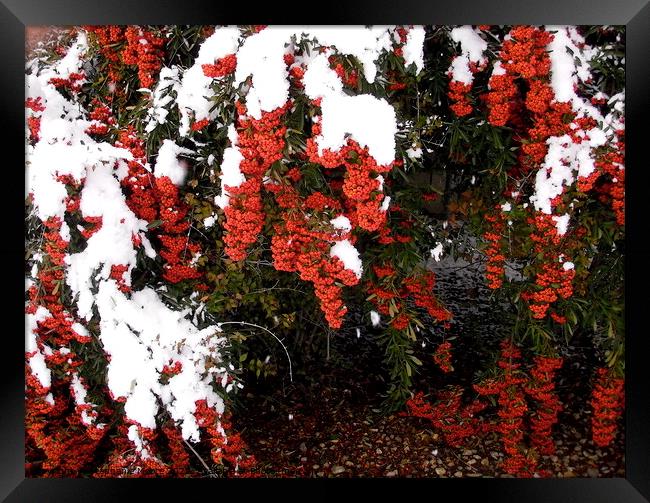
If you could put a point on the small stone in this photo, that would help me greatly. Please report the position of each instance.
(391, 474)
(303, 460)
(302, 447)
(458, 474)
(485, 462)
(379, 451)
(440, 471)
(592, 472)
(316, 467)
(337, 469)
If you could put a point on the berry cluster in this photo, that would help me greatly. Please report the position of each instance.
(494, 269)
(261, 143)
(541, 387)
(442, 357)
(607, 402)
(361, 185)
(509, 389)
(552, 280)
(144, 49)
(222, 67)
(455, 420)
(132, 45)
(300, 244)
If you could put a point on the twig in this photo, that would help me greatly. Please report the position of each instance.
(205, 465)
(464, 462)
(268, 331)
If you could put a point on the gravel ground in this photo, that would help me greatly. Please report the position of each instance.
(326, 427)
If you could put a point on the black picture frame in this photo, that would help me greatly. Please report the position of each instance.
(634, 14)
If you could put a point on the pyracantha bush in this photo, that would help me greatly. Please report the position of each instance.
(184, 181)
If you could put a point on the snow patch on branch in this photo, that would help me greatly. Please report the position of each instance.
(349, 255)
(168, 164)
(194, 92)
(142, 335)
(472, 48)
(231, 175)
(565, 157)
(37, 360)
(163, 95)
(413, 50)
(137, 330)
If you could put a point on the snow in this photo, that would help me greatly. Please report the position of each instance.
(471, 43)
(368, 120)
(562, 223)
(232, 135)
(375, 319)
(414, 152)
(209, 221)
(437, 252)
(413, 50)
(71, 62)
(111, 245)
(341, 222)
(498, 68)
(460, 71)
(565, 73)
(349, 255)
(167, 163)
(37, 361)
(261, 57)
(231, 175)
(568, 266)
(506, 207)
(141, 335)
(137, 330)
(64, 231)
(565, 158)
(365, 43)
(134, 436)
(194, 93)
(80, 393)
(64, 148)
(163, 95)
(472, 48)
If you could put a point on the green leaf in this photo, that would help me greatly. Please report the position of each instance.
(154, 224)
